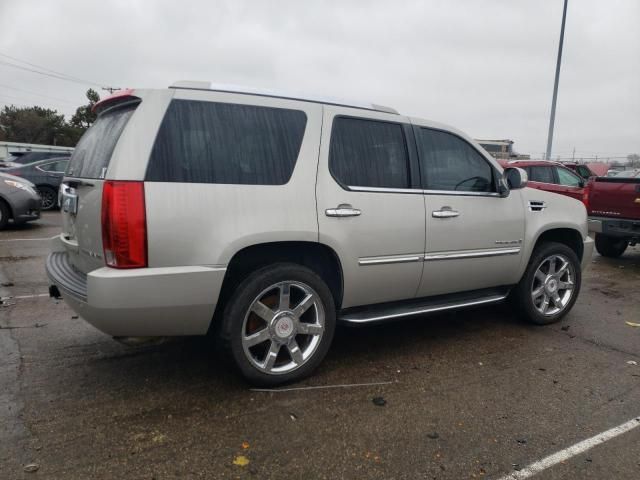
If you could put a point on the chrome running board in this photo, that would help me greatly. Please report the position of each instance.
(397, 310)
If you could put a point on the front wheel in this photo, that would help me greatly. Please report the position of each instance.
(278, 325)
(611, 247)
(550, 284)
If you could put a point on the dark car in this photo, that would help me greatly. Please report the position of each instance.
(583, 170)
(46, 175)
(23, 158)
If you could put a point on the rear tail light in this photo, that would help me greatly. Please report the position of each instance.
(585, 195)
(124, 224)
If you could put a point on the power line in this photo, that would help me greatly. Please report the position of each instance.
(8, 64)
(33, 104)
(38, 94)
(40, 67)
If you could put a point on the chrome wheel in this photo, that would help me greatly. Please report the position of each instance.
(553, 285)
(283, 327)
(47, 198)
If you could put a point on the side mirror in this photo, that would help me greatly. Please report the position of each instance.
(516, 177)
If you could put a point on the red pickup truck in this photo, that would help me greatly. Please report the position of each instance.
(613, 204)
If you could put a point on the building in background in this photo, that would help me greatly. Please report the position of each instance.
(7, 148)
(502, 149)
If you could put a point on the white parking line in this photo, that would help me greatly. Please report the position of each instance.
(31, 296)
(577, 449)
(26, 239)
(319, 387)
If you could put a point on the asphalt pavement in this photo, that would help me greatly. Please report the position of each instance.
(472, 394)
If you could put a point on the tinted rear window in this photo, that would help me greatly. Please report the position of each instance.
(91, 157)
(368, 153)
(207, 142)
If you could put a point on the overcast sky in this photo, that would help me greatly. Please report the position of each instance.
(484, 66)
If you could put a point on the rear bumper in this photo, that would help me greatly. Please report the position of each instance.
(615, 227)
(164, 301)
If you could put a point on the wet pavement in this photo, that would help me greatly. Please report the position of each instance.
(472, 394)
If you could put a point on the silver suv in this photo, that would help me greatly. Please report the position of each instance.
(264, 219)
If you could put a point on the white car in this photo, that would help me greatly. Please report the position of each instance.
(265, 218)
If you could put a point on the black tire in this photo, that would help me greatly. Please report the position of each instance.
(49, 197)
(522, 294)
(230, 330)
(611, 247)
(5, 214)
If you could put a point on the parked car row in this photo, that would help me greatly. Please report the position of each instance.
(612, 201)
(43, 169)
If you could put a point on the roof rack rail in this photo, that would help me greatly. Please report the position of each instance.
(199, 85)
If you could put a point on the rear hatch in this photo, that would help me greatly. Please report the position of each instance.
(81, 190)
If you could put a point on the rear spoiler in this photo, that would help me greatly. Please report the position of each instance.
(118, 97)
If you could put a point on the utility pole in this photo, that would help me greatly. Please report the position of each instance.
(110, 89)
(555, 85)
(573, 155)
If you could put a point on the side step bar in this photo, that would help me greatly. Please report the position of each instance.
(396, 310)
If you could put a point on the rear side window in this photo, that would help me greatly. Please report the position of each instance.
(449, 163)
(541, 174)
(59, 166)
(91, 157)
(368, 153)
(207, 142)
(583, 171)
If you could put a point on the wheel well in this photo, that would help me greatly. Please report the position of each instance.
(8, 205)
(568, 236)
(316, 256)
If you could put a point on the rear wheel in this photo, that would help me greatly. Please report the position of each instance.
(611, 247)
(278, 325)
(48, 197)
(550, 285)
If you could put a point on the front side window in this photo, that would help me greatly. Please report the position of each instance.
(565, 177)
(368, 153)
(449, 163)
(208, 142)
(541, 174)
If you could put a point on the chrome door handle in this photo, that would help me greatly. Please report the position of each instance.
(343, 210)
(445, 212)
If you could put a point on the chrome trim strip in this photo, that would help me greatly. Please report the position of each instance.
(386, 260)
(422, 192)
(385, 190)
(461, 194)
(423, 310)
(493, 252)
